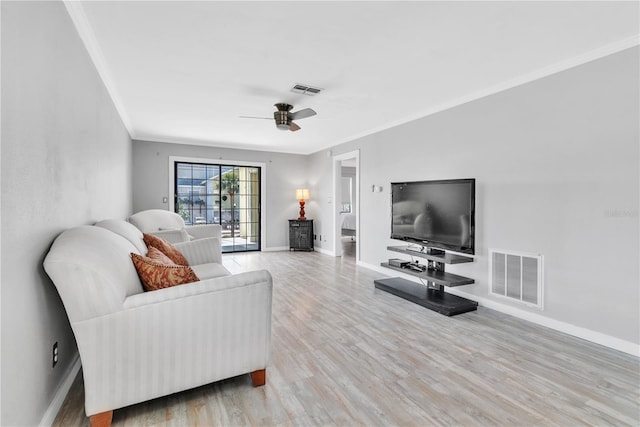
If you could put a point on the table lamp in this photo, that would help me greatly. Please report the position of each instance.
(302, 194)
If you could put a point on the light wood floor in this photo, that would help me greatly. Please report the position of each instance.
(344, 353)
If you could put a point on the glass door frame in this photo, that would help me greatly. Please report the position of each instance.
(263, 179)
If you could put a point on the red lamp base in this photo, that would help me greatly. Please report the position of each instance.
(302, 217)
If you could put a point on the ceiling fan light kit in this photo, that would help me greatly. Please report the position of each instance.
(282, 116)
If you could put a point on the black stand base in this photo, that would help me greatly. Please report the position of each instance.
(433, 299)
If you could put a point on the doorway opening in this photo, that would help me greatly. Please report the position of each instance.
(346, 173)
(224, 194)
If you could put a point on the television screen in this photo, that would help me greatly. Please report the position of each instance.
(437, 214)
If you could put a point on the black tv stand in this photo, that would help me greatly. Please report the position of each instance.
(430, 295)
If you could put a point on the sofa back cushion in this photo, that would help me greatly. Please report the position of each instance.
(126, 230)
(91, 268)
(153, 220)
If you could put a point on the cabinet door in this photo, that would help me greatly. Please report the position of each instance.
(300, 234)
(294, 232)
(303, 238)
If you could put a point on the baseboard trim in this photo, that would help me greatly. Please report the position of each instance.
(560, 326)
(286, 248)
(324, 251)
(61, 393)
(276, 249)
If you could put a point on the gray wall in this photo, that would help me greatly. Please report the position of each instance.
(556, 164)
(284, 173)
(66, 161)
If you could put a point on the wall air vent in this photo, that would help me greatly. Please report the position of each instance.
(516, 276)
(305, 90)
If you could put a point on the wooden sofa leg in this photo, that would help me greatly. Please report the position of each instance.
(259, 378)
(102, 419)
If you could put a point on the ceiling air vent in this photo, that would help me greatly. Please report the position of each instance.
(305, 90)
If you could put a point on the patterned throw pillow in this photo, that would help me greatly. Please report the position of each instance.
(158, 256)
(155, 275)
(166, 248)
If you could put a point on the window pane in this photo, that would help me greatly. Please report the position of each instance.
(221, 194)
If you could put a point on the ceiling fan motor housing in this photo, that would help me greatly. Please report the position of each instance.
(282, 120)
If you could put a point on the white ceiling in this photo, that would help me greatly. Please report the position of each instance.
(185, 71)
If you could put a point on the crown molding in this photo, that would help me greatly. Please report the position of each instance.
(81, 22)
(538, 74)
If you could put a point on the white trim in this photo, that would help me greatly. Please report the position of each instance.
(286, 248)
(337, 163)
(523, 79)
(558, 325)
(276, 249)
(263, 185)
(539, 319)
(325, 251)
(87, 35)
(61, 393)
(302, 150)
(1, 223)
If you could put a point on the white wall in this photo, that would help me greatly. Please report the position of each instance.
(66, 161)
(556, 163)
(284, 173)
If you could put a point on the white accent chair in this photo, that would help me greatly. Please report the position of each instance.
(134, 345)
(171, 227)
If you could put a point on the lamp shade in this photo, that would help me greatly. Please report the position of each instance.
(302, 194)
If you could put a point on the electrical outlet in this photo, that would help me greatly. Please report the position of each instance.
(315, 237)
(54, 354)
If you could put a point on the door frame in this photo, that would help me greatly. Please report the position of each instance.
(337, 196)
(263, 186)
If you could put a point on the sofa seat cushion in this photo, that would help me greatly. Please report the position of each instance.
(210, 270)
(156, 275)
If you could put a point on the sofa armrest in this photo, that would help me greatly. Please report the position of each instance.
(201, 231)
(201, 251)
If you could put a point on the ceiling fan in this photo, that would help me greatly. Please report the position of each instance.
(284, 116)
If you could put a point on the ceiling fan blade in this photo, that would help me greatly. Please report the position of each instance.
(307, 112)
(253, 117)
(294, 127)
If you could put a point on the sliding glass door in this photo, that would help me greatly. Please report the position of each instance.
(228, 195)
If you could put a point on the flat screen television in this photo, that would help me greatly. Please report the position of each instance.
(435, 214)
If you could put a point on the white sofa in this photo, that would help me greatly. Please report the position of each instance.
(136, 345)
(171, 227)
